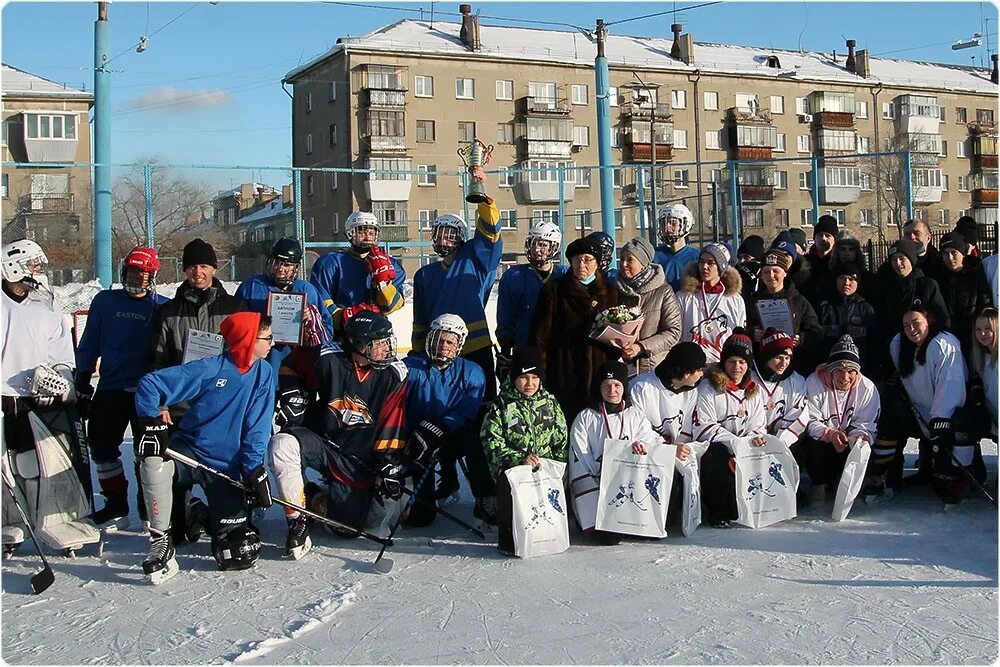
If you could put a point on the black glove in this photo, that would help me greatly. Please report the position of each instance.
(504, 359)
(84, 394)
(291, 409)
(424, 440)
(390, 483)
(152, 439)
(257, 487)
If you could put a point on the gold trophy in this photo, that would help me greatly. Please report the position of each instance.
(476, 156)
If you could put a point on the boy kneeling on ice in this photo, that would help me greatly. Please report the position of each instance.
(227, 427)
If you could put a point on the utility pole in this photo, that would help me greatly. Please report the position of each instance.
(650, 95)
(604, 134)
(102, 147)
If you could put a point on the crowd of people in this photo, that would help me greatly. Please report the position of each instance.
(335, 425)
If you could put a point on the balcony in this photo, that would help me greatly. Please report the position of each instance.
(529, 149)
(386, 144)
(917, 114)
(394, 233)
(748, 116)
(984, 161)
(839, 184)
(392, 99)
(982, 127)
(538, 183)
(632, 109)
(984, 196)
(833, 119)
(756, 193)
(644, 152)
(530, 104)
(46, 203)
(751, 153)
(380, 77)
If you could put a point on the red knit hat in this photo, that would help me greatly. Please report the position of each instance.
(774, 343)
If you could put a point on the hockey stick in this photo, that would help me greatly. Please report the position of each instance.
(278, 501)
(46, 577)
(384, 565)
(423, 501)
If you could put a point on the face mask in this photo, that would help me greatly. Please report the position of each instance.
(587, 281)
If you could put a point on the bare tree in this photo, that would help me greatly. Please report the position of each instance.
(887, 178)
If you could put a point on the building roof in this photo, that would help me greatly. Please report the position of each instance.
(272, 209)
(652, 53)
(19, 83)
(238, 190)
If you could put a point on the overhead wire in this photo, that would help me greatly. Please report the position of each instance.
(149, 36)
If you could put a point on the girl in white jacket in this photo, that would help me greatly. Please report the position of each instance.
(984, 362)
(784, 390)
(710, 300)
(610, 415)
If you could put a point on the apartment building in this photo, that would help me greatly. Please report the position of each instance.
(776, 134)
(47, 122)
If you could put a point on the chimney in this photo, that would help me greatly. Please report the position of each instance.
(851, 64)
(687, 49)
(861, 65)
(469, 34)
(995, 74)
(675, 49)
(287, 195)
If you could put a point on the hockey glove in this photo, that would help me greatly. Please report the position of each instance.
(942, 444)
(379, 266)
(84, 394)
(504, 356)
(153, 439)
(390, 483)
(291, 407)
(424, 440)
(257, 487)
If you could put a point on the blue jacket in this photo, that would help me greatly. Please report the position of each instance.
(343, 279)
(118, 331)
(228, 424)
(464, 287)
(450, 398)
(673, 263)
(516, 299)
(254, 290)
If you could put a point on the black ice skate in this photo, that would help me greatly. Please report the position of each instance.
(298, 543)
(160, 564)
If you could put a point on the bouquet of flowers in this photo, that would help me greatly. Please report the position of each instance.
(617, 326)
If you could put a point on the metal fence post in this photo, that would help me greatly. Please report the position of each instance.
(465, 205)
(147, 188)
(640, 195)
(734, 185)
(815, 189)
(907, 165)
(561, 176)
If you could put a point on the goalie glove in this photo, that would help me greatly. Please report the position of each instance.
(50, 387)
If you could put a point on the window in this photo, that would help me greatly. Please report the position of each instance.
(545, 215)
(309, 102)
(963, 183)
(506, 176)
(711, 101)
(427, 174)
(582, 177)
(984, 115)
(779, 144)
(4, 185)
(616, 178)
(866, 217)
(927, 178)
(309, 144)
(680, 138)
(425, 217)
(960, 148)
(678, 99)
(584, 218)
(425, 130)
(805, 180)
(944, 215)
(613, 95)
(581, 135)
(505, 133)
(423, 86)
(943, 151)
(839, 177)
(777, 104)
(389, 168)
(861, 109)
(543, 92)
(944, 182)
(335, 223)
(390, 212)
(333, 134)
(801, 105)
(864, 144)
(334, 180)
(580, 93)
(508, 218)
(50, 126)
(802, 143)
(331, 95)
(505, 90)
(961, 115)
(616, 137)
(920, 214)
(806, 217)
(465, 89)
(619, 218)
(781, 217)
(781, 180)
(310, 184)
(747, 101)
(838, 213)
(888, 112)
(836, 140)
(752, 217)
(866, 181)
(312, 226)
(942, 113)
(712, 139)
(466, 130)
(682, 179)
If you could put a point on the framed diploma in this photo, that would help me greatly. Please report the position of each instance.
(776, 313)
(201, 344)
(287, 311)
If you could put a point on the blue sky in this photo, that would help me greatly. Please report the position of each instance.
(240, 51)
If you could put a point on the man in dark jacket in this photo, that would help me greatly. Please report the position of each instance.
(928, 257)
(819, 256)
(748, 258)
(963, 286)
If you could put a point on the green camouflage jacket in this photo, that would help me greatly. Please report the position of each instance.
(517, 425)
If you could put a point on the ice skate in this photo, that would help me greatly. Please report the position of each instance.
(160, 564)
(114, 515)
(298, 542)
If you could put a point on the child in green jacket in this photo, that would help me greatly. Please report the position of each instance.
(523, 425)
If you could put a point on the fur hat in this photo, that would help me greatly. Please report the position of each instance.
(827, 224)
(199, 252)
(844, 355)
(905, 247)
(584, 246)
(955, 241)
(641, 249)
(774, 343)
(738, 345)
(527, 360)
(720, 254)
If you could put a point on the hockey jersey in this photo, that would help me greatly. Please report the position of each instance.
(462, 288)
(725, 412)
(786, 406)
(342, 280)
(450, 398)
(668, 411)
(516, 299)
(118, 328)
(708, 316)
(937, 387)
(586, 451)
(855, 411)
(673, 263)
(31, 335)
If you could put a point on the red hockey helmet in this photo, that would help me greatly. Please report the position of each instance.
(144, 259)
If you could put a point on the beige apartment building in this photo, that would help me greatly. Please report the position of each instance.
(405, 97)
(47, 122)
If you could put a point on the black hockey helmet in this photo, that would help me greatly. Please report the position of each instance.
(364, 330)
(236, 549)
(607, 246)
(288, 251)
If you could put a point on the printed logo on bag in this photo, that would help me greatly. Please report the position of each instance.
(626, 494)
(554, 500)
(351, 411)
(220, 383)
(539, 513)
(756, 484)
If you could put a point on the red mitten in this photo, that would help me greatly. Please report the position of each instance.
(379, 266)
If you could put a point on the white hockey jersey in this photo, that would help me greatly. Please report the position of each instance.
(936, 388)
(708, 319)
(785, 406)
(855, 411)
(724, 413)
(668, 411)
(31, 335)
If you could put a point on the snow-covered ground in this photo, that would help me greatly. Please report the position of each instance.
(899, 582)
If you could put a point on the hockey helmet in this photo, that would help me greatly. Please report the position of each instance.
(685, 219)
(442, 324)
(365, 331)
(237, 548)
(607, 247)
(21, 260)
(448, 232)
(286, 251)
(357, 220)
(543, 231)
(144, 260)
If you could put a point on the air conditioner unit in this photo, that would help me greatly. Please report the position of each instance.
(806, 117)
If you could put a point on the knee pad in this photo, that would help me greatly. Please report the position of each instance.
(236, 549)
(283, 449)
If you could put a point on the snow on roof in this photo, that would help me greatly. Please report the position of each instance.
(576, 48)
(18, 82)
(271, 209)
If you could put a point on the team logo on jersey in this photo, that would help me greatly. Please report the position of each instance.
(663, 429)
(220, 383)
(351, 411)
(711, 331)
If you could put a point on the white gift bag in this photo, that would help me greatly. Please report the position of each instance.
(851, 479)
(635, 489)
(691, 509)
(767, 478)
(540, 524)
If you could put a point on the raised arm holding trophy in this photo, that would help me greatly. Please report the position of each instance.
(475, 156)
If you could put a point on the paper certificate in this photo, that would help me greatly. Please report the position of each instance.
(776, 313)
(201, 344)
(287, 311)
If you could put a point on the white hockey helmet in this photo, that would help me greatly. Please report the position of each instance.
(361, 219)
(678, 212)
(445, 323)
(20, 258)
(448, 231)
(543, 231)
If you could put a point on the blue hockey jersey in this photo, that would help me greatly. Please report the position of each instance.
(450, 398)
(673, 263)
(343, 278)
(516, 299)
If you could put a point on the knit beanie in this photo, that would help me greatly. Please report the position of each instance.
(844, 355)
(774, 343)
(847, 269)
(969, 229)
(752, 245)
(827, 224)
(614, 370)
(683, 358)
(720, 254)
(641, 249)
(955, 241)
(778, 257)
(738, 345)
(905, 247)
(199, 252)
(583, 246)
(527, 360)
(798, 236)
